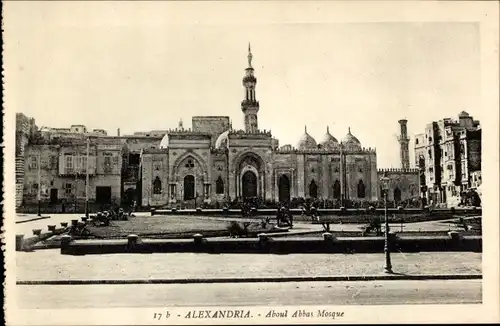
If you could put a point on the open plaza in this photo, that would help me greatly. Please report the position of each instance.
(354, 278)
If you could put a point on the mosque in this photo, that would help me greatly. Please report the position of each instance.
(212, 162)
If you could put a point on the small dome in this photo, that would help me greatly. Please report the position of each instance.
(463, 114)
(350, 141)
(223, 140)
(328, 142)
(306, 141)
(164, 141)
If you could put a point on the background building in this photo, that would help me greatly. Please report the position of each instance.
(447, 154)
(25, 131)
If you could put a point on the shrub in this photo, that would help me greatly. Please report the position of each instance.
(264, 222)
(237, 230)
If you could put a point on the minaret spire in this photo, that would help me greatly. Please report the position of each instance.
(250, 56)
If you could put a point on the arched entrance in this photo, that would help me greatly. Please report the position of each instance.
(284, 188)
(313, 189)
(361, 189)
(336, 189)
(397, 195)
(249, 184)
(189, 187)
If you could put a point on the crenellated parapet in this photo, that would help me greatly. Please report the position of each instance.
(397, 170)
(188, 131)
(256, 134)
(288, 149)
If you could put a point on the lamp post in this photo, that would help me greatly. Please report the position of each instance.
(39, 195)
(87, 179)
(385, 188)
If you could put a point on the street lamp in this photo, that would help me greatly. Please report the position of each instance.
(39, 195)
(385, 188)
(87, 181)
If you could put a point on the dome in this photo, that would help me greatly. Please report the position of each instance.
(223, 140)
(164, 141)
(351, 141)
(463, 114)
(328, 141)
(306, 141)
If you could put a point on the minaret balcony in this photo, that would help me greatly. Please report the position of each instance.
(249, 103)
(249, 79)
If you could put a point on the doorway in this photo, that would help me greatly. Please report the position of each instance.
(249, 184)
(103, 195)
(53, 196)
(284, 189)
(313, 189)
(336, 189)
(189, 187)
(397, 195)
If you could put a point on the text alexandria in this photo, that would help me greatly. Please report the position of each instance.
(209, 314)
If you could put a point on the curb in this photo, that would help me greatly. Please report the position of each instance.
(389, 277)
(33, 219)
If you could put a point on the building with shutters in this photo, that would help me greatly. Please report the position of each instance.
(448, 155)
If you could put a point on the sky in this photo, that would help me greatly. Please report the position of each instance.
(145, 66)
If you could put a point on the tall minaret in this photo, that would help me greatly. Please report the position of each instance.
(250, 106)
(403, 145)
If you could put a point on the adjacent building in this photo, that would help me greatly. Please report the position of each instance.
(448, 155)
(60, 171)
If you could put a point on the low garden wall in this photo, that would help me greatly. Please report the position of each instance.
(337, 215)
(327, 211)
(267, 244)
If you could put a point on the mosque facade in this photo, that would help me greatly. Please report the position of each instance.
(212, 162)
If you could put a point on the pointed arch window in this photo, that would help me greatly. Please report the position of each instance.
(361, 189)
(313, 189)
(157, 186)
(189, 164)
(219, 185)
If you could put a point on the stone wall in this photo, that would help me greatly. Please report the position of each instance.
(213, 125)
(155, 164)
(406, 180)
(137, 144)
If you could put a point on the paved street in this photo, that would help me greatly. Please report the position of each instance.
(303, 293)
(51, 265)
(46, 265)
